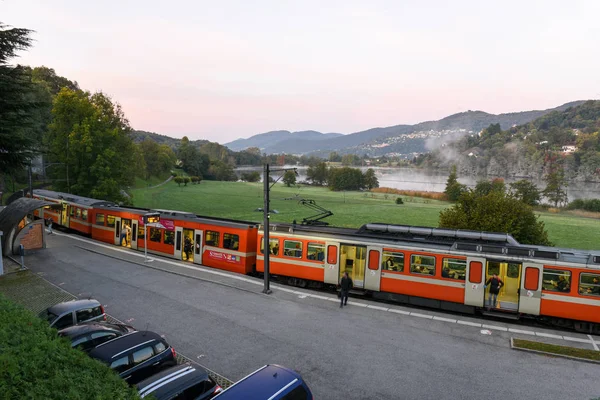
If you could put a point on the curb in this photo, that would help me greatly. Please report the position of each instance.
(546, 353)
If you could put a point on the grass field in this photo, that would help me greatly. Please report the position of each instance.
(556, 349)
(238, 200)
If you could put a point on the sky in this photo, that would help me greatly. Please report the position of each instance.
(222, 70)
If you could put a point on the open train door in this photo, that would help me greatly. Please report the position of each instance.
(178, 242)
(134, 234)
(117, 234)
(373, 272)
(474, 285)
(530, 293)
(63, 216)
(198, 246)
(332, 263)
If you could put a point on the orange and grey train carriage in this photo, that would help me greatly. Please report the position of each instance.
(442, 268)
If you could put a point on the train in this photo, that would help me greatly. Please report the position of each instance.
(439, 268)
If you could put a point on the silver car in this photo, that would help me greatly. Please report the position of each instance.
(69, 313)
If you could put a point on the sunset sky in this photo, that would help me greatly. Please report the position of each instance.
(220, 70)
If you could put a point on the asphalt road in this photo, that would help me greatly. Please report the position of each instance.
(350, 353)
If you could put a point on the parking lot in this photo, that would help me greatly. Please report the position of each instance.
(365, 351)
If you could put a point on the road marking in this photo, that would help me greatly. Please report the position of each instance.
(485, 332)
(594, 343)
(302, 295)
(513, 330)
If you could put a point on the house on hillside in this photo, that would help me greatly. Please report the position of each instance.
(569, 149)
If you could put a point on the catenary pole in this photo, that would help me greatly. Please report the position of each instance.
(266, 249)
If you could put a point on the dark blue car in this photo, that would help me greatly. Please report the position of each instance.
(271, 382)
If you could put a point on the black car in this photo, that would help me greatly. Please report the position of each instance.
(182, 382)
(91, 334)
(136, 356)
(63, 315)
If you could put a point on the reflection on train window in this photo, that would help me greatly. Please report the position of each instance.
(513, 270)
(71, 211)
(556, 280)
(454, 268)
(273, 246)
(231, 241)
(211, 238)
(589, 284)
(78, 213)
(493, 267)
(99, 219)
(316, 251)
(84, 214)
(155, 235)
(110, 220)
(422, 264)
(169, 237)
(292, 248)
(141, 232)
(393, 261)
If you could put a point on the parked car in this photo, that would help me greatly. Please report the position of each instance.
(181, 382)
(271, 382)
(69, 313)
(91, 334)
(136, 356)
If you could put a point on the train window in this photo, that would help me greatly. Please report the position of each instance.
(211, 238)
(513, 270)
(273, 246)
(393, 261)
(589, 284)
(292, 248)
(155, 235)
(99, 219)
(532, 276)
(332, 254)
(141, 232)
(420, 264)
(71, 211)
(556, 280)
(84, 214)
(374, 260)
(78, 213)
(169, 237)
(316, 251)
(454, 268)
(110, 220)
(475, 272)
(231, 241)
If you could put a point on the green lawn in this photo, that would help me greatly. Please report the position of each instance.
(556, 349)
(238, 200)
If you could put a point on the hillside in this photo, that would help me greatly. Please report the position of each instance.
(140, 136)
(393, 140)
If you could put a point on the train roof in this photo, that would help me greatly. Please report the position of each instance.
(71, 198)
(449, 239)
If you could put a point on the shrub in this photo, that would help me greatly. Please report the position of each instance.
(399, 200)
(592, 205)
(37, 364)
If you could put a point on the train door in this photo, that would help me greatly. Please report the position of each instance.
(474, 287)
(510, 274)
(530, 295)
(187, 245)
(64, 215)
(353, 260)
(117, 234)
(197, 246)
(126, 232)
(373, 273)
(178, 242)
(134, 234)
(332, 265)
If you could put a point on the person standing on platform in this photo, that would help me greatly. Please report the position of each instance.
(187, 247)
(50, 226)
(495, 284)
(127, 235)
(345, 284)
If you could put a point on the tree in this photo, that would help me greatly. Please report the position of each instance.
(485, 187)
(370, 180)
(334, 157)
(526, 191)
(289, 178)
(555, 184)
(495, 212)
(317, 173)
(345, 179)
(89, 138)
(159, 158)
(453, 188)
(251, 176)
(350, 159)
(186, 180)
(18, 104)
(179, 180)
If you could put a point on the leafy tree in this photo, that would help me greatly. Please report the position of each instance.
(495, 212)
(370, 180)
(289, 178)
(89, 137)
(251, 176)
(334, 157)
(195, 179)
(179, 180)
(194, 163)
(555, 187)
(484, 187)
(318, 173)
(453, 188)
(526, 191)
(350, 159)
(220, 171)
(345, 179)
(186, 180)
(50, 81)
(399, 200)
(18, 103)
(159, 158)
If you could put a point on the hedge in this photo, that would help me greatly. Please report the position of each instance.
(36, 364)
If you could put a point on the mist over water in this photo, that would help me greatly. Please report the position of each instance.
(435, 180)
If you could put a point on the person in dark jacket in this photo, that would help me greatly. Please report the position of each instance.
(346, 285)
(495, 284)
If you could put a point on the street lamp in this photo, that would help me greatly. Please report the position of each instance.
(266, 249)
